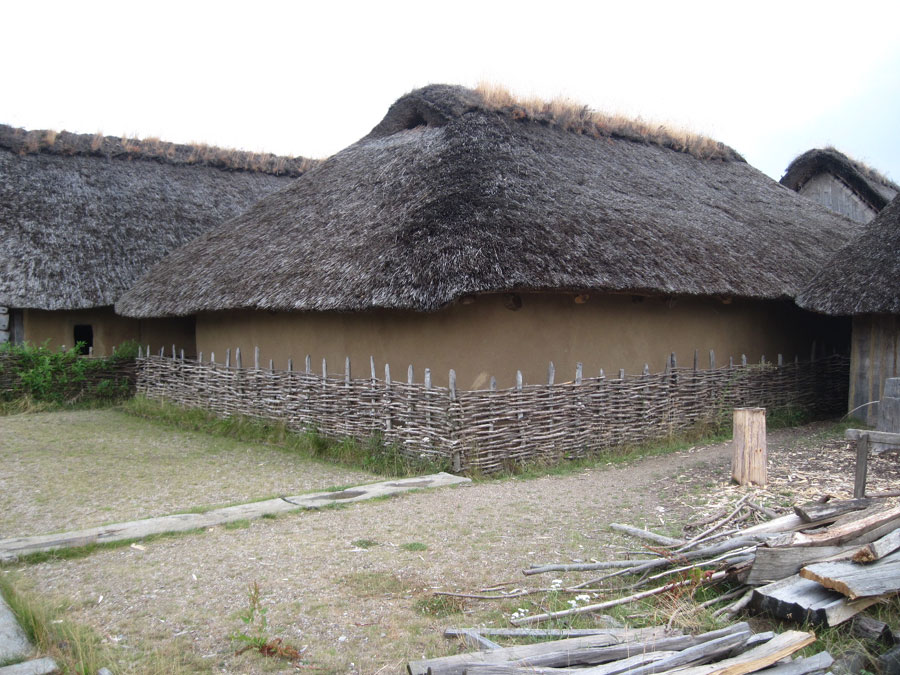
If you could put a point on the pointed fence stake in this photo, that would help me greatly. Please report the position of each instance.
(256, 357)
(238, 359)
(308, 365)
(551, 373)
(347, 371)
(228, 358)
(452, 384)
(712, 359)
(290, 365)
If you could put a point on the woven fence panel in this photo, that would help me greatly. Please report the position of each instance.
(489, 430)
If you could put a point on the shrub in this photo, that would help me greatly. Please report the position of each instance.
(43, 375)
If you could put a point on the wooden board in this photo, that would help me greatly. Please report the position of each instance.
(14, 547)
(878, 549)
(841, 533)
(796, 598)
(783, 644)
(857, 580)
(820, 510)
(610, 646)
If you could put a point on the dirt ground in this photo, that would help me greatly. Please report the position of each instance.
(344, 586)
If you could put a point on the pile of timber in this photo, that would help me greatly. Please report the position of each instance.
(825, 562)
(734, 650)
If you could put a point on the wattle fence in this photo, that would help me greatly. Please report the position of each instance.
(488, 430)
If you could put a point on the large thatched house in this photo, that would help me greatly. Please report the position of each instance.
(839, 183)
(474, 232)
(81, 217)
(863, 281)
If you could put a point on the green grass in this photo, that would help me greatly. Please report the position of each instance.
(372, 455)
(414, 546)
(364, 543)
(77, 648)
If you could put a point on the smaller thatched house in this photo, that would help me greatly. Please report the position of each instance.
(82, 217)
(863, 280)
(473, 231)
(840, 183)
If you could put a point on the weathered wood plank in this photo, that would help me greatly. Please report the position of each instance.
(842, 533)
(815, 663)
(856, 580)
(818, 510)
(638, 533)
(138, 529)
(620, 642)
(783, 644)
(749, 459)
(797, 598)
(876, 550)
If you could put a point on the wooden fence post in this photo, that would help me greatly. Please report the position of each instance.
(749, 460)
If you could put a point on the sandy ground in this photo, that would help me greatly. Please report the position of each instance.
(360, 610)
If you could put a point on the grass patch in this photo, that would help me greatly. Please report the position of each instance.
(79, 649)
(373, 455)
(440, 605)
(364, 543)
(241, 524)
(414, 546)
(373, 584)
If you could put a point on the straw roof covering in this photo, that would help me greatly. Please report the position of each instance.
(82, 216)
(863, 277)
(869, 185)
(456, 192)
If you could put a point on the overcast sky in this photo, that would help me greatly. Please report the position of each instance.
(769, 79)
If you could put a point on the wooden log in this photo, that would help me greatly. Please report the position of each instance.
(581, 567)
(867, 628)
(757, 658)
(645, 534)
(749, 459)
(478, 641)
(856, 580)
(697, 654)
(878, 549)
(814, 511)
(796, 598)
(527, 632)
(625, 640)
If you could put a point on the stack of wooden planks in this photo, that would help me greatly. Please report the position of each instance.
(734, 650)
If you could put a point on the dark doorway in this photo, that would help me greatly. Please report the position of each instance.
(84, 338)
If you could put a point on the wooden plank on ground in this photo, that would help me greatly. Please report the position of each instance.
(857, 580)
(611, 645)
(820, 510)
(14, 547)
(796, 598)
(783, 644)
(777, 562)
(842, 533)
(813, 664)
(876, 550)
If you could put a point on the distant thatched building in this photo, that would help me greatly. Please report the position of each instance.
(839, 183)
(863, 280)
(474, 232)
(81, 217)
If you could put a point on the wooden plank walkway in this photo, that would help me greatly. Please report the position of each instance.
(14, 547)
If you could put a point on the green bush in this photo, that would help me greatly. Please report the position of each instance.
(43, 375)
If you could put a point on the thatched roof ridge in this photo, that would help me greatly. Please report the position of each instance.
(78, 224)
(863, 277)
(23, 141)
(448, 197)
(871, 186)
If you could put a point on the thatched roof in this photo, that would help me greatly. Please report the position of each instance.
(869, 185)
(452, 195)
(863, 277)
(82, 217)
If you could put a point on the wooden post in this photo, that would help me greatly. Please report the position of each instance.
(712, 359)
(749, 459)
(551, 373)
(256, 357)
(308, 364)
(347, 371)
(862, 466)
(579, 372)
(140, 351)
(290, 365)
(228, 357)
(238, 360)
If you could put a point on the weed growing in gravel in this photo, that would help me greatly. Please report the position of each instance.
(414, 546)
(255, 635)
(440, 605)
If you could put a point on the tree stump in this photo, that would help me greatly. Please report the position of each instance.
(749, 460)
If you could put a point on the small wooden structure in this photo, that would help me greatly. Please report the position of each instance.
(750, 456)
(886, 437)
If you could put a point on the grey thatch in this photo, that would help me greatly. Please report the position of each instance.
(450, 196)
(863, 277)
(869, 185)
(82, 217)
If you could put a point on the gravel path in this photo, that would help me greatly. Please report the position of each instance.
(358, 609)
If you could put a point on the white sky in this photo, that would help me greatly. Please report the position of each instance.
(771, 79)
